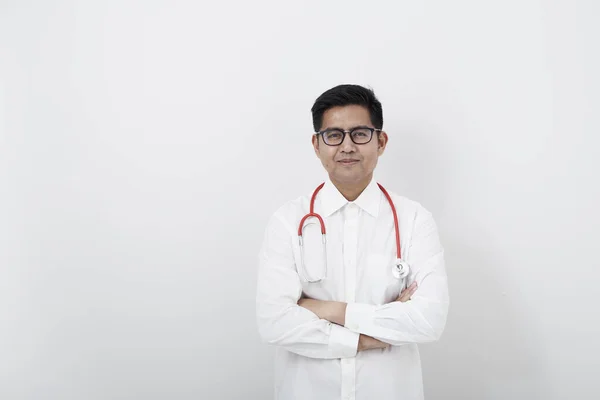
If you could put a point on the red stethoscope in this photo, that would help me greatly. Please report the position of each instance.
(400, 269)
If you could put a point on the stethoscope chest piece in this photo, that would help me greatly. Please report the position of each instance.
(400, 269)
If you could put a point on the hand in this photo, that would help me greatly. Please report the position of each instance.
(310, 304)
(407, 292)
(332, 311)
(367, 343)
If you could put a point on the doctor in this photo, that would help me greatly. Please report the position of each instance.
(344, 317)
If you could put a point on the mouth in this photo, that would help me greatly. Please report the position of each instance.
(348, 162)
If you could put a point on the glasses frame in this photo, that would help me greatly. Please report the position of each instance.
(349, 133)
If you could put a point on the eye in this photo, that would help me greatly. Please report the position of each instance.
(333, 135)
(361, 133)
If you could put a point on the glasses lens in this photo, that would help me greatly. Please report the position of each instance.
(333, 136)
(361, 135)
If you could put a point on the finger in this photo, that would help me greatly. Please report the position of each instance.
(409, 288)
(402, 293)
(408, 292)
(412, 291)
(414, 288)
(405, 297)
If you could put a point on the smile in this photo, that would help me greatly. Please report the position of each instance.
(348, 162)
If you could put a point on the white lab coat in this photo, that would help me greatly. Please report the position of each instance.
(316, 359)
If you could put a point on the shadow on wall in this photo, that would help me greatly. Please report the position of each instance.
(488, 349)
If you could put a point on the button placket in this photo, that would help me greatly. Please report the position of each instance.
(350, 250)
(348, 365)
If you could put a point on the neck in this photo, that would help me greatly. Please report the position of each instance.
(351, 191)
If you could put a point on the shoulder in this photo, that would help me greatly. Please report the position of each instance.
(410, 210)
(288, 215)
(408, 205)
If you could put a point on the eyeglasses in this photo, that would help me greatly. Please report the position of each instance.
(335, 137)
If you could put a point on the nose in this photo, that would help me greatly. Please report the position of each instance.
(347, 145)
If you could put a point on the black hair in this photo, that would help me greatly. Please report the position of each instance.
(345, 95)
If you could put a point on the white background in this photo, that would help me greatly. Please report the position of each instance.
(144, 145)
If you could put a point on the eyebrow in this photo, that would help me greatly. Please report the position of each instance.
(338, 128)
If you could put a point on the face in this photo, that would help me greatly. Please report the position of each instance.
(349, 164)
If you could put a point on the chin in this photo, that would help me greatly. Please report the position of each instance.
(348, 178)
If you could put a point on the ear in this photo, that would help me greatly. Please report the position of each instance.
(382, 142)
(315, 143)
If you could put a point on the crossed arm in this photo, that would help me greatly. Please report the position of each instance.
(326, 329)
(335, 312)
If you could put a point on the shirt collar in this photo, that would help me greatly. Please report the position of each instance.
(332, 200)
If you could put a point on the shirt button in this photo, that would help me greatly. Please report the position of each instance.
(352, 210)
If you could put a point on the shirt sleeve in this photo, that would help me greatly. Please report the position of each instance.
(423, 318)
(281, 321)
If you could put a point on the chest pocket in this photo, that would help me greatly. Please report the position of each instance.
(383, 287)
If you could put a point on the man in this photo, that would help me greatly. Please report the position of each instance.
(344, 325)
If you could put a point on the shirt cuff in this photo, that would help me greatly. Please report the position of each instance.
(342, 342)
(359, 316)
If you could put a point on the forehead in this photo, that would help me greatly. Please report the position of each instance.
(346, 117)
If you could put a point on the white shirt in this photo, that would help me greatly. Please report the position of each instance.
(316, 359)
